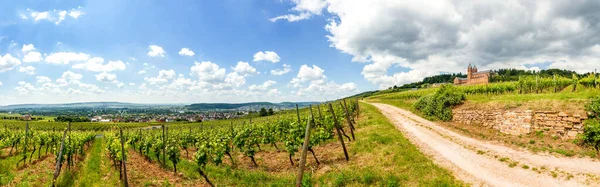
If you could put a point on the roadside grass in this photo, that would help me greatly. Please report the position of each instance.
(535, 142)
(380, 156)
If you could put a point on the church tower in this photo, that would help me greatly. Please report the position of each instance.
(469, 72)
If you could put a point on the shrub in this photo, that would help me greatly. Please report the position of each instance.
(591, 134)
(440, 103)
(593, 107)
(591, 131)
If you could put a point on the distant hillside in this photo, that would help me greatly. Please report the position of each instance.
(82, 105)
(245, 106)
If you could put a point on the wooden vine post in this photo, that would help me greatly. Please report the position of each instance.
(319, 110)
(595, 82)
(339, 133)
(123, 160)
(349, 117)
(348, 121)
(24, 159)
(164, 145)
(303, 154)
(60, 155)
(357, 109)
(298, 113)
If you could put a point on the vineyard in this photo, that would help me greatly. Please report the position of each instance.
(524, 85)
(179, 148)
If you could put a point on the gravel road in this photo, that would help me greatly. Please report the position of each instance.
(479, 162)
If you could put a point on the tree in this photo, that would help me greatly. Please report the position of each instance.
(263, 112)
(270, 112)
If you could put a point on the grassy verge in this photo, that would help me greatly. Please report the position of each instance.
(94, 168)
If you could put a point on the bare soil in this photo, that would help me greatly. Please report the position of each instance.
(485, 163)
(142, 172)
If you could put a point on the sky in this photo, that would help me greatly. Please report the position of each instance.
(191, 51)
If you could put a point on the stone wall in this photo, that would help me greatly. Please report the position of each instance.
(517, 122)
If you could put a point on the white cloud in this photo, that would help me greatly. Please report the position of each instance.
(263, 87)
(186, 52)
(96, 64)
(208, 72)
(292, 17)
(7, 62)
(27, 70)
(43, 79)
(66, 57)
(24, 88)
(69, 75)
(32, 56)
(307, 73)
(120, 85)
(305, 8)
(27, 47)
(1, 84)
(286, 69)
(61, 16)
(445, 36)
(244, 69)
(141, 72)
(106, 77)
(318, 85)
(156, 51)
(76, 13)
(266, 56)
(163, 77)
(55, 16)
(37, 16)
(131, 84)
(235, 79)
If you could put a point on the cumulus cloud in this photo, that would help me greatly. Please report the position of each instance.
(186, 52)
(27, 47)
(266, 56)
(208, 72)
(141, 72)
(306, 73)
(32, 56)
(106, 77)
(96, 64)
(318, 85)
(304, 9)
(66, 57)
(286, 69)
(1, 84)
(43, 79)
(156, 51)
(55, 16)
(163, 77)
(445, 36)
(235, 79)
(8, 62)
(27, 70)
(244, 69)
(263, 87)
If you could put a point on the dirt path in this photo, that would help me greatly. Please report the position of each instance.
(486, 164)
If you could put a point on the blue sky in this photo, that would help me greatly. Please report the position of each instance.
(274, 50)
(222, 32)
